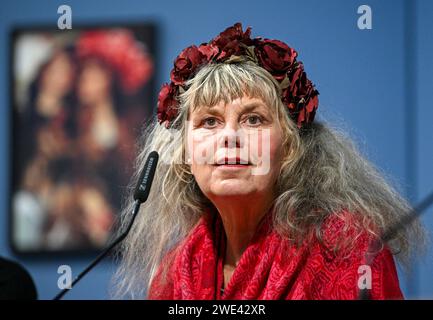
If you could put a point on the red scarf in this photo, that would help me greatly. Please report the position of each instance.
(270, 267)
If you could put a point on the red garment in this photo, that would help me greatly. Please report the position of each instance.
(271, 267)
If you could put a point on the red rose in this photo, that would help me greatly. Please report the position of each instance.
(301, 97)
(167, 104)
(186, 64)
(275, 56)
(208, 50)
(229, 41)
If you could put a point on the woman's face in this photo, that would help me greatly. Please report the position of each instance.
(235, 149)
(94, 82)
(58, 77)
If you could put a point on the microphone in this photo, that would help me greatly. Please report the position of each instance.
(364, 294)
(141, 194)
(146, 177)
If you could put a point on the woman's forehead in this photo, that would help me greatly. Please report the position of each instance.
(245, 104)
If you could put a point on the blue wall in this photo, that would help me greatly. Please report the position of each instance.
(366, 80)
(424, 130)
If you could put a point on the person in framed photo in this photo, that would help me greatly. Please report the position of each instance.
(75, 134)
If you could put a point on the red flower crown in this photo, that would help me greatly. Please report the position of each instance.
(231, 46)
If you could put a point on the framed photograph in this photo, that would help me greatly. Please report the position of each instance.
(79, 100)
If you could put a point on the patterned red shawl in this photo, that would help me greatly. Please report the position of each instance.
(271, 267)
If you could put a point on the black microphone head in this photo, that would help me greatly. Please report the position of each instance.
(146, 177)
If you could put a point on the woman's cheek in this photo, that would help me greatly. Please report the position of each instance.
(201, 148)
(259, 146)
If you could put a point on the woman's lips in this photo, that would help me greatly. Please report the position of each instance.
(237, 162)
(232, 167)
(232, 164)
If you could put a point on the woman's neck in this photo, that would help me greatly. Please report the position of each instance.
(241, 218)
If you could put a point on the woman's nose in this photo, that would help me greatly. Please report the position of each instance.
(231, 136)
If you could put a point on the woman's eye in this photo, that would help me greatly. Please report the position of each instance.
(209, 122)
(254, 120)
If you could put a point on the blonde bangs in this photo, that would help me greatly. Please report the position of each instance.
(227, 82)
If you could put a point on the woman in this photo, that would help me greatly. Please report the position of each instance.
(252, 199)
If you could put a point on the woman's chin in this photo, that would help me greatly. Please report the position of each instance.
(232, 188)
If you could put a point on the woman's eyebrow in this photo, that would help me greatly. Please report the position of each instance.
(214, 110)
(253, 105)
(210, 110)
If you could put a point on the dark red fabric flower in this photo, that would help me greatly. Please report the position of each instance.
(186, 64)
(232, 41)
(209, 50)
(301, 97)
(167, 104)
(275, 56)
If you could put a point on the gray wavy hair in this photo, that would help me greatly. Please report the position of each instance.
(323, 172)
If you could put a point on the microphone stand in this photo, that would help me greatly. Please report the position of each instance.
(102, 255)
(141, 194)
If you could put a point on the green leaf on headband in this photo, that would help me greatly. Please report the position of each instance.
(285, 83)
(251, 54)
(235, 59)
